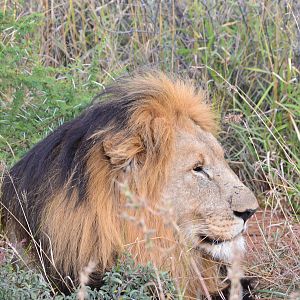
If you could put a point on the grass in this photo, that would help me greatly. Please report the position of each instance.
(54, 57)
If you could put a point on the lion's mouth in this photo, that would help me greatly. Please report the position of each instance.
(221, 249)
(208, 240)
(211, 241)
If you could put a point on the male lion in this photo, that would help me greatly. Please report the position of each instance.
(152, 136)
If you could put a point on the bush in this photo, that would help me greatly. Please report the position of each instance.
(125, 281)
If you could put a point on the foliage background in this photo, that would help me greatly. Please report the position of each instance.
(56, 55)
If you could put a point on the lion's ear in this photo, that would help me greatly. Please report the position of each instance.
(145, 146)
(124, 151)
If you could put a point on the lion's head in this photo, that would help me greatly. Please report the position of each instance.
(152, 137)
(212, 205)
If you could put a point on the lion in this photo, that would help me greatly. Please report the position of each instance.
(139, 171)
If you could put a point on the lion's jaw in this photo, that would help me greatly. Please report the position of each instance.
(206, 196)
(225, 251)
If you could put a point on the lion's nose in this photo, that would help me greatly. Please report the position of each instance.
(245, 215)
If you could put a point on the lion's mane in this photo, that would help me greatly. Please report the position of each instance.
(67, 191)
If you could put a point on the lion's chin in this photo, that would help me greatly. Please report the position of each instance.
(225, 251)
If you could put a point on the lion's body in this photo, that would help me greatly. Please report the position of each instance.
(72, 185)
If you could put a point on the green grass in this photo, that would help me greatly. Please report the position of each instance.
(53, 60)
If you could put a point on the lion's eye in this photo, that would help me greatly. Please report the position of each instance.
(198, 169)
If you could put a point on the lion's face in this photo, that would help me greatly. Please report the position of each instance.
(210, 203)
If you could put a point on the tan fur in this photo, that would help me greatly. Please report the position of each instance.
(159, 140)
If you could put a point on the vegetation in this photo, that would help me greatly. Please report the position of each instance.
(54, 57)
(125, 281)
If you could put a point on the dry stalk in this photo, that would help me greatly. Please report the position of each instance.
(235, 275)
(84, 279)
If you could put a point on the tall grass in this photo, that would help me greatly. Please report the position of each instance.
(54, 55)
